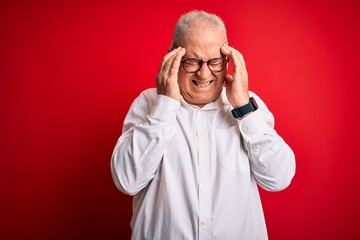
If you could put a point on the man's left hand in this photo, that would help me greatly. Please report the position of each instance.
(237, 83)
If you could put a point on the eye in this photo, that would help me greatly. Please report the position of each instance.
(216, 61)
(191, 62)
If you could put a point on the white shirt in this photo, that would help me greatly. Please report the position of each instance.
(194, 171)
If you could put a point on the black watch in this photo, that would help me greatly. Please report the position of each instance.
(242, 111)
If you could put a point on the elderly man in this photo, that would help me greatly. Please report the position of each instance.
(193, 151)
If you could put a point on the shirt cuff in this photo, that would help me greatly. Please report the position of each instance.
(165, 109)
(254, 126)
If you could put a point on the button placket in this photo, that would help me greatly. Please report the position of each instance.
(203, 175)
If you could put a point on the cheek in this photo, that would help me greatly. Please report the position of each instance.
(183, 79)
(221, 77)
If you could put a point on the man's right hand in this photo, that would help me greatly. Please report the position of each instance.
(167, 78)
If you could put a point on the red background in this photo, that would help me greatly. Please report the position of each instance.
(70, 69)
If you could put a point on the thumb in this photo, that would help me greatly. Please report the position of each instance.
(229, 79)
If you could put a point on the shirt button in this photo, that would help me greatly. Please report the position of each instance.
(203, 222)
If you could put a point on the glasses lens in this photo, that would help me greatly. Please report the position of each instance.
(217, 64)
(191, 65)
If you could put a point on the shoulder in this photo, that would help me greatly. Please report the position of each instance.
(147, 96)
(149, 93)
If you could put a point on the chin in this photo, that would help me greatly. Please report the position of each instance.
(201, 98)
(201, 101)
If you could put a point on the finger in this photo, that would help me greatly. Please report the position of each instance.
(174, 69)
(170, 67)
(167, 59)
(172, 64)
(234, 55)
(228, 79)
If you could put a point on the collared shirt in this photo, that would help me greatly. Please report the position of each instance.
(194, 171)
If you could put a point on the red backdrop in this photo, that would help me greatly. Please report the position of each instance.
(70, 69)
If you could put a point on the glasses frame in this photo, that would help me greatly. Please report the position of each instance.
(201, 62)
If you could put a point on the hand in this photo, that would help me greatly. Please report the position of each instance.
(167, 77)
(237, 84)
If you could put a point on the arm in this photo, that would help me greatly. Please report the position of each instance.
(139, 150)
(272, 161)
(148, 126)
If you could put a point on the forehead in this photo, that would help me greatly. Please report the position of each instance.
(203, 42)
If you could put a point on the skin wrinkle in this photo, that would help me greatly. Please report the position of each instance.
(215, 158)
(202, 37)
(204, 44)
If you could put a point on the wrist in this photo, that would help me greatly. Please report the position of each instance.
(239, 100)
(241, 103)
(245, 109)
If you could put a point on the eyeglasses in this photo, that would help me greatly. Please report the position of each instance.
(192, 65)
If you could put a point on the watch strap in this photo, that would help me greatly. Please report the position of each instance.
(247, 108)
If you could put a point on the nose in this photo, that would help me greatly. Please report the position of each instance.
(204, 71)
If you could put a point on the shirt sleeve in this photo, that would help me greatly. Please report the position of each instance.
(148, 126)
(272, 160)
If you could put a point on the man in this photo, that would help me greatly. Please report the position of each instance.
(192, 151)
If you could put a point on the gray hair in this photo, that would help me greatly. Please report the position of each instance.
(195, 18)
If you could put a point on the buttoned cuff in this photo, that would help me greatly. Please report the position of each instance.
(165, 109)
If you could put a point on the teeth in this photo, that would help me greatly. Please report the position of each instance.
(202, 84)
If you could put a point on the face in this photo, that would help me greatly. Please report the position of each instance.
(203, 86)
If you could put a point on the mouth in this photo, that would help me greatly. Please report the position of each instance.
(202, 84)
